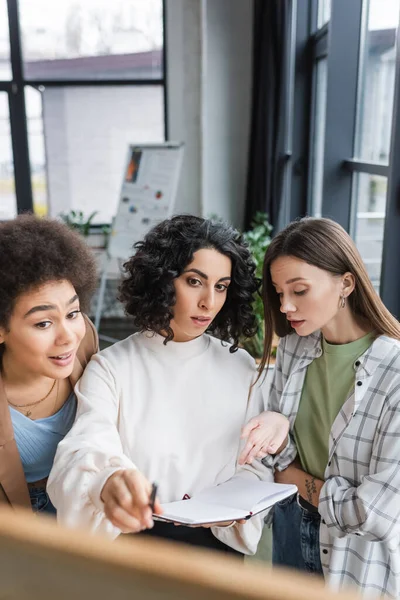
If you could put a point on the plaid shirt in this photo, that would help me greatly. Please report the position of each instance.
(360, 501)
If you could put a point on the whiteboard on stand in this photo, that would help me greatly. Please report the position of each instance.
(147, 197)
(148, 193)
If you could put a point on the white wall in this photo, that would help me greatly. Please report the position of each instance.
(227, 96)
(184, 72)
(87, 132)
(209, 94)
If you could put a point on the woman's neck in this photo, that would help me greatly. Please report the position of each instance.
(15, 375)
(345, 328)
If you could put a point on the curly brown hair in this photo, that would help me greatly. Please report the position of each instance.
(35, 251)
(148, 292)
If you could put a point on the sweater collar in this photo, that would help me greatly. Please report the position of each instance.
(182, 350)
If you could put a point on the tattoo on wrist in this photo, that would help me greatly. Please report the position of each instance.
(311, 489)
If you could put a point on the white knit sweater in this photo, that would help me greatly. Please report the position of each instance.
(172, 411)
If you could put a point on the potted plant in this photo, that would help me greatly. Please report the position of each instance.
(96, 237)
(258, 239)
(76, 219)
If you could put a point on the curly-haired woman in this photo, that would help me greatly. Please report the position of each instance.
(168, 403)
(47, 274)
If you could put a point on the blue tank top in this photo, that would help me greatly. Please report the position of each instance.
(37, 440)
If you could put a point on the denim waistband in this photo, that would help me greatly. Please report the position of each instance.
(306, 505)
(41, 484)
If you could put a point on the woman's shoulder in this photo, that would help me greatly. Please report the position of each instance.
(239, 358)
(118, 352)
(385, 350)
(89, 344)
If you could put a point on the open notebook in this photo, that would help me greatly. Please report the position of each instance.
(235, 499)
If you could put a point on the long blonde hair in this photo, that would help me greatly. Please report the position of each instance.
(326, 245)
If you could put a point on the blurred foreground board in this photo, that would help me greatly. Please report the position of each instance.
(40, 561)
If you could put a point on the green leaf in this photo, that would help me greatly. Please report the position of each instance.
(258, 239)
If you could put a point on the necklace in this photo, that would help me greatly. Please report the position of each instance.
(56, 400)
(29, 412)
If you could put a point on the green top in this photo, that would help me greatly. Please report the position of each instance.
(327, 385)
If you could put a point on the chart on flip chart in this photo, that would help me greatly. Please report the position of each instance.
(148, 193)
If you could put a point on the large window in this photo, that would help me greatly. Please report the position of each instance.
(94, 39)
(319, 43)
(87, 79)
(375, 97)
(37, 151)
(370, 203)
(87, 132)
(318, 137)
(376, 80)
(350, 91)
(8, 205)
(5, 63)
(324, 12)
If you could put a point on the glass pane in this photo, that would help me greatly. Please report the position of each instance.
(376, 85)
(318, 139)
(5, 65)
(37, 154)
(8, 201)
(370, 200)
(324, 12)
(87, 131)
(94, 39)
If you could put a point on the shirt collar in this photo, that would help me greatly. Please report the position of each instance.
(376, 354)
(368, 362)
(178, 350)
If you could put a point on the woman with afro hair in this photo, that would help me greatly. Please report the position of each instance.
(167, 404)
(47, 275)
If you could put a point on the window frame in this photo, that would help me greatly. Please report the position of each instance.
(342, 42)
(16, 98)
(390, 275)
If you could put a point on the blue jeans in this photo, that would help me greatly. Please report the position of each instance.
(40, 501)
(295, 534)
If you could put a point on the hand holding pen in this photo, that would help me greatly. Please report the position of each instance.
(153, 497)
(130, 501)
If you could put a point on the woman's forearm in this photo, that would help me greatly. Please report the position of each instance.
(309, 486)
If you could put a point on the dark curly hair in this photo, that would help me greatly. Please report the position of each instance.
(148, 291)
(35, 251)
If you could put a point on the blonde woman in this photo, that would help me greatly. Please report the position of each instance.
(337, 379)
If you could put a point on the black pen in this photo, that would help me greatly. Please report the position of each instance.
(153, 496)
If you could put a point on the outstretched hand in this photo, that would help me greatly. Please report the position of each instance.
(266, 434)
(126, 496)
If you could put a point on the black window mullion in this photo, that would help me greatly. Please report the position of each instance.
(18, 124)
(343, 60)
(165, 73)
(93, 82)
(363, 166)
(306, 14)
(390, 274)
(320, 42)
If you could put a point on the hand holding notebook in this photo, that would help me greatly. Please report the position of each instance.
(233, 500)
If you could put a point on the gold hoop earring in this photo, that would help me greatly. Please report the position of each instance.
(342, 301)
